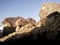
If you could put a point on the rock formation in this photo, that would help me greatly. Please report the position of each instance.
(21, 22)
(53, 25)
(30, 20)
(8, 30)
(46, 31)
(49, 31)
(11, 24)
(10, 21)
(48, 8)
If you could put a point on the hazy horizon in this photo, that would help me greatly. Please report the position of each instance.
(22, 8)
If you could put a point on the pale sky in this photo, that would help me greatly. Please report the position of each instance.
(22, 8)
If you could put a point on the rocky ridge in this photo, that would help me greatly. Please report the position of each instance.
(46, 29)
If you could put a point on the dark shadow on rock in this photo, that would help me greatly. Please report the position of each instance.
(45, 35)
(8, 30)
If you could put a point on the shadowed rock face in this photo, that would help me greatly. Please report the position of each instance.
(53, 25)
(8, 30)
(48, 8)
(46, 34)
(21, 22)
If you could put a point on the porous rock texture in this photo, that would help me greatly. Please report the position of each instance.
(47, 31)
(32, 21)
(10, 21)
(48, 8)
(50, 32)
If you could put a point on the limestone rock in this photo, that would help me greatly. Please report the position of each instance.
(10, 21)
(30, 20)
(50, 30)
(6, 24)
(48, 8)
(21, 22)
(26, 28)
(38, 24)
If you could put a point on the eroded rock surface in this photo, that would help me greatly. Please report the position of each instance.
(46, 31)
(10, 21)
(48, 8)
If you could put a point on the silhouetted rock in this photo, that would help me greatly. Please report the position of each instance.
(53, 25)
(8, 30)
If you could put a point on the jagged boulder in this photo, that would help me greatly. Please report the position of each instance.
(26, 28)
(8, 30)
(48, 8)
(38, 24)
(10, 25)
(10, 21)
(53, 25)
(21, 22)
(30, 20)
(50, 32)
